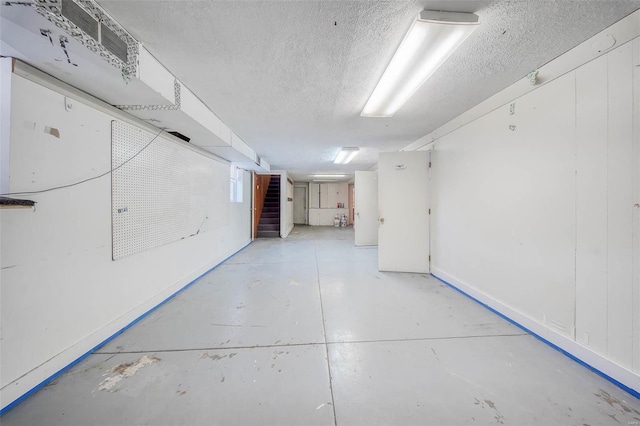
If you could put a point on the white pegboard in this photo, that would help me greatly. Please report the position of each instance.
(166, 193)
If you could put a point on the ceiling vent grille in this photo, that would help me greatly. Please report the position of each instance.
(82, 19)
(113, 43)
(88, 23)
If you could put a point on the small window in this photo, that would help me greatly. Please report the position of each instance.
(235, 184)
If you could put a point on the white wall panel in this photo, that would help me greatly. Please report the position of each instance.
(504, 204)
(536, 211)
(61, 292)
(620, 204)
(591, 199)
(5, 121)
(636, 204)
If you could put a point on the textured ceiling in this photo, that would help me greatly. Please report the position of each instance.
(291, 77)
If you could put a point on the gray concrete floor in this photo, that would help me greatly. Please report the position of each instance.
(306, 331)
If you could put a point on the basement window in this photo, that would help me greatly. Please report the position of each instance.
(235, 184)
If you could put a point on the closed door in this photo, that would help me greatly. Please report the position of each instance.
(403, 206)
(366, 209)
(300, 205)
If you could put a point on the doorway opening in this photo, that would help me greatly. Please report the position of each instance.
(266, 220)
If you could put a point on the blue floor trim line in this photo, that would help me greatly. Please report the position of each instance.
(57, 374)
(542, 339)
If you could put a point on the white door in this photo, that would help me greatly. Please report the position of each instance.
(403, 208)
(299, 205)
(365, 222)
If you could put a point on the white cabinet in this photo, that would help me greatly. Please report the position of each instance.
(314, 190)
(324, 217)
(323, 202)
(328, 195)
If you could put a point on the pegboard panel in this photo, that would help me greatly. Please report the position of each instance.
(165, 193)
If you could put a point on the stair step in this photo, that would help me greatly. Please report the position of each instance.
(270, 220)
(268, 234)
(269, 227)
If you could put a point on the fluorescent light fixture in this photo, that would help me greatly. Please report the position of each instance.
(345, 155)
(432, 38)
(329, 176)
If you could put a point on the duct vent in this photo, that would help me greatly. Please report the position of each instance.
(82, 19)
(97, 25)
(113, 43)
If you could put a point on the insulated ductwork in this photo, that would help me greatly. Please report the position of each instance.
(77, 42)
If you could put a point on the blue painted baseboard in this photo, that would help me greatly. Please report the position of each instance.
(556, 347)
(57, 374)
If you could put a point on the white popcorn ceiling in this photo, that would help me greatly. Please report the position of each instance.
(291, 77)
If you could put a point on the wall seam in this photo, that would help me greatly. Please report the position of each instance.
(575, 229)
(606, 171)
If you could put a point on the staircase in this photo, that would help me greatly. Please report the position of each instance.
(269, 225)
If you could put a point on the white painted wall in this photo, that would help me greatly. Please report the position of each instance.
(536, 213)
(61, 292)
(336, 193)
(5, 121)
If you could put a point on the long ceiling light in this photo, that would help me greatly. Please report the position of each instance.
(345, 155)
(432, 38)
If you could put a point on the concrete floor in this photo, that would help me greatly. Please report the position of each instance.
(306, 331)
